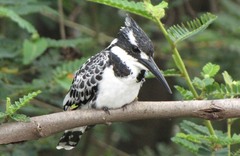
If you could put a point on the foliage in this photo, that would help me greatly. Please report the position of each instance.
(198, 140)
(178, 33)
(209, 88)
(11, 109)
(131, 6)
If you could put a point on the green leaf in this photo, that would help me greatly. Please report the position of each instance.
(192, 128)
(210, 70)
(130, 6)
(187, 144)
(192, 138)
(19, 20)
(202, 84)
(227, 78)
(21, 102)
(8, 104)
(198, 83)
(179, 33)
(33, 49)
(20, 117)
(187, 94)
(171, 72)
(2, 115)
(157, 11)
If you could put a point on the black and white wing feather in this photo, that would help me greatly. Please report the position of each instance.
(84, 87)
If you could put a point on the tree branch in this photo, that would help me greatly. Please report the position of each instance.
(46, 125)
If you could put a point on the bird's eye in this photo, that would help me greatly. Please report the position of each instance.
(135, 49)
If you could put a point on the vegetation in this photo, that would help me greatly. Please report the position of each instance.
(42, 44)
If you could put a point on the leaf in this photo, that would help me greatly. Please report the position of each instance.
(21, 102)
(156, 11)
(8, 104)
(33, 49)
(227, 78)
(130, 6)
(2, 115)
(202, 84)
(187, 94)
(19, 20)
(210, 70)
(179, 33)
(192, 128)
(187, 144)
(198, 83)
(20, 117)
(171, 72)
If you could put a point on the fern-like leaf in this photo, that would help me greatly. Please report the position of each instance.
(178, 33)
(192, 128)
(187, 94)
(187, 144)
(11, 109)
(130, 6)
(210, 70)
(19, 20)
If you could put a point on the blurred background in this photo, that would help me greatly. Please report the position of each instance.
(71, 31)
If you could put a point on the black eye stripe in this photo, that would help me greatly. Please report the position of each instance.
(135, 49)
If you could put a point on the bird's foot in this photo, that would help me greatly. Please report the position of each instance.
(106, 110)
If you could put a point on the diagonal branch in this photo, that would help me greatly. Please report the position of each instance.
(46, 125)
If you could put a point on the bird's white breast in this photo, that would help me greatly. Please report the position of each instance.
(114, 92)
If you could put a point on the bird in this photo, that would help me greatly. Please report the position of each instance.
(112, 78)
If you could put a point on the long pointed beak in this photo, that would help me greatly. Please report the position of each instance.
(151, 65)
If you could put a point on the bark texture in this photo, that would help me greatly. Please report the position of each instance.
(46, 125)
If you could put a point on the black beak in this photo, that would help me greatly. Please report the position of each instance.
(151, 65)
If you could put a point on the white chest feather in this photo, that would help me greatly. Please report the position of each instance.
(114, 92)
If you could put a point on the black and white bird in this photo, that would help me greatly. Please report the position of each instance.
(111, 78)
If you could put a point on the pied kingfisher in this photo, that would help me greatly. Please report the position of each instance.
(111, 78)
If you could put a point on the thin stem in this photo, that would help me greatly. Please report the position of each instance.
(229, 126)
(104, 38)
(61, 20)
(210, 128)
(178, 60)
(181, 66)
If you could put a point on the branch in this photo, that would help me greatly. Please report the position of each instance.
(46, 125)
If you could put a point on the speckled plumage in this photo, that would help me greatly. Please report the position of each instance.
(111, 78)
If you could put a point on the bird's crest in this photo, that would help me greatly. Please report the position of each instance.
(136, 36)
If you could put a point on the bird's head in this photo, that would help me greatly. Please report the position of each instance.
(137, 47)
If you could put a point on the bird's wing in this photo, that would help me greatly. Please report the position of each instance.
(85, 83)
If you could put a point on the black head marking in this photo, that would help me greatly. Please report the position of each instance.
(133, 39)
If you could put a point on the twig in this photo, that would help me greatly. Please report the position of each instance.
(104, 38)
(61, 20)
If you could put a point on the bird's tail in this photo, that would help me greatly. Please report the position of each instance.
(71, 137)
